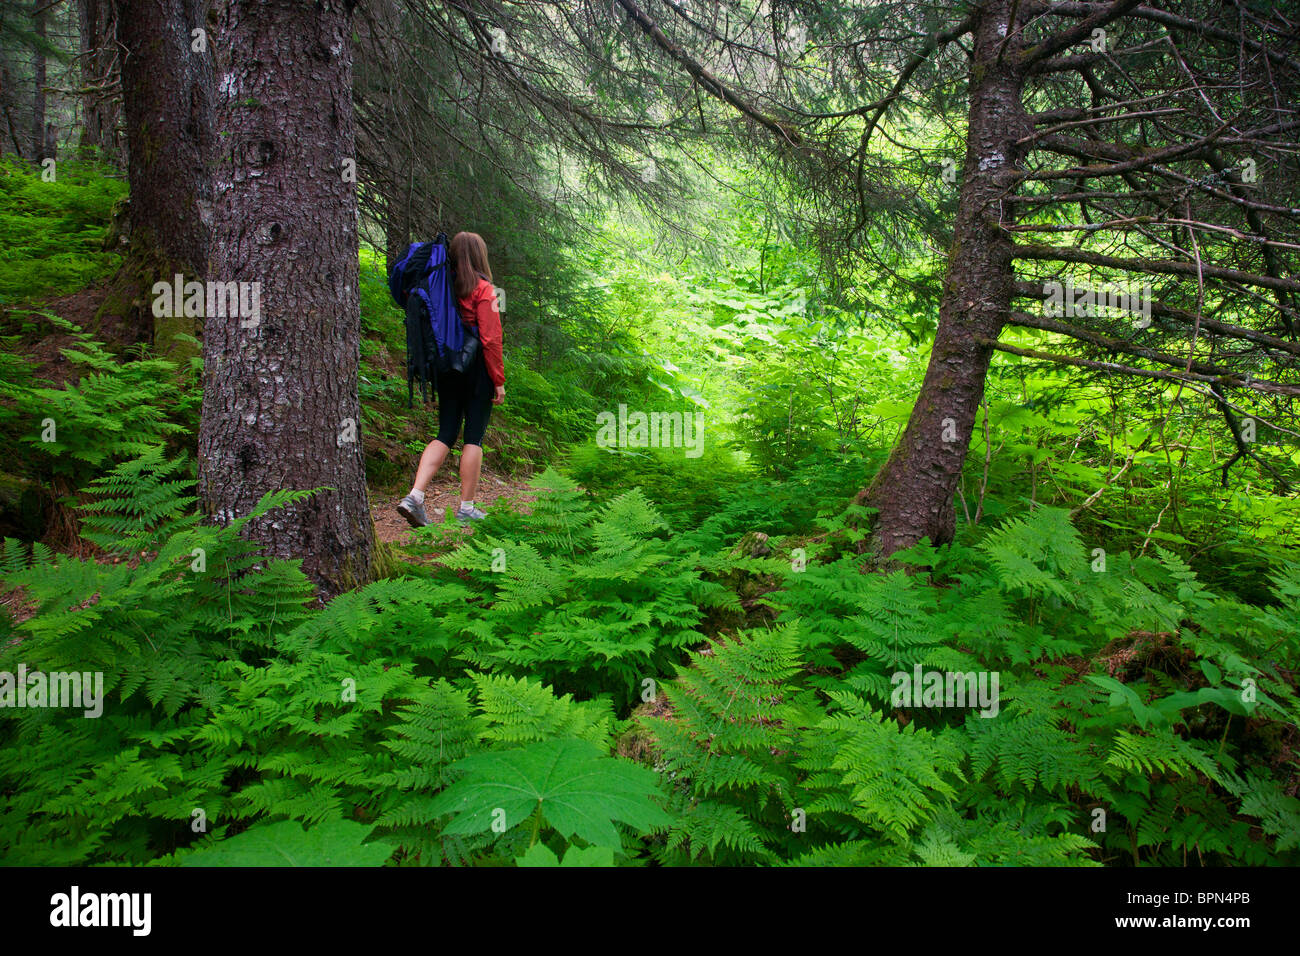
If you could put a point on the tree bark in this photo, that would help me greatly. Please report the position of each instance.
(167, 102)
(280, 402)
(38, 96)
(98, 28)
(914, 491)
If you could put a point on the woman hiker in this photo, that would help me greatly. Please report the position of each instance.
(465, 398)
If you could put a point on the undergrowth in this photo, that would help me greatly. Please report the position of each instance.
(448, 714)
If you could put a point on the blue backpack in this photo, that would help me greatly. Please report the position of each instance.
(423, 282)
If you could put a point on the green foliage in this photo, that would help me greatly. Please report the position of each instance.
(1132, 691)
(52, 233)
(1155, 731)
(924, 768)
(601, 597)
(728, 718)
(399, 719)
(332, 843)
(556, 402)
(111, 411)
(1051, 438)
(567, 784)
(688, 488)
(114, 410)
(380, 316)
(1145, 647)
(226, 696)
(135, 501)
(540, 855)
(519, 711)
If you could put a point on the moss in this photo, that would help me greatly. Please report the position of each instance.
(129, 301)
(384, 562)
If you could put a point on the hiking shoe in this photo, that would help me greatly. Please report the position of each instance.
(413, 512)
(470, 514)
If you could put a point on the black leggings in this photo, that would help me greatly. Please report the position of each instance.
(464, 398)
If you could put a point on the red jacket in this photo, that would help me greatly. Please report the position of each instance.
(481, 309)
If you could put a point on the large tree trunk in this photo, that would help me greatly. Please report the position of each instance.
(98, 27)
(38, 97)
(914, 491)
(280, 403)
(167, 102)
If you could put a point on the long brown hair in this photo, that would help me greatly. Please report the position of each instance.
(469, 259)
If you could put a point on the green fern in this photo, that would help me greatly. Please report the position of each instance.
(728, 719)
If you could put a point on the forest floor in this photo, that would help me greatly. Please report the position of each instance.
(443, 493)
(45, 345)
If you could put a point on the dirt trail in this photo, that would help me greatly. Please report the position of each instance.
(443, 493)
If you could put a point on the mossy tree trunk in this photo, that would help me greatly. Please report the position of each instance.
(167, 103)
(280, 402)
(914, 491)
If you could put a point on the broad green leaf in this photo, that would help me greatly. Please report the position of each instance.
(539, 855)
(579, 790)
(286, 843)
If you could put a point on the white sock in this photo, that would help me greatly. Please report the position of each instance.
(417, 495)
(467, 506)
